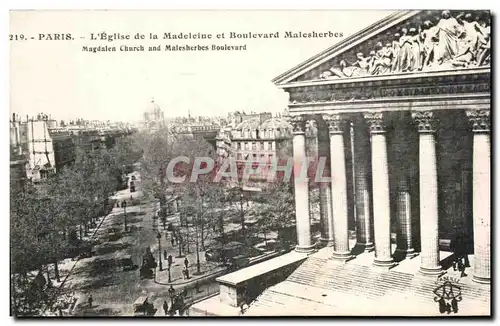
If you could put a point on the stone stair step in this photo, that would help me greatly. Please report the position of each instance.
(367, 283)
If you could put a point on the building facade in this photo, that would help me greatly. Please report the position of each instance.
(40, 146)
(257, 137)
(413, 91)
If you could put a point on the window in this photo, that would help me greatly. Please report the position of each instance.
(262, 145)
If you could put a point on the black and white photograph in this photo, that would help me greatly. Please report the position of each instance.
(249, 163)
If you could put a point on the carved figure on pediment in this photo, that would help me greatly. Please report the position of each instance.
(449, 32)
(473, 32)
(415, 50)
(345, 69)
(469, 42)
(429, 36)
(466, 54)
(484, 55)
(405, 53)
(396, 49)
(382, 61)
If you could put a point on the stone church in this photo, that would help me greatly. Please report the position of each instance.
(403, 115)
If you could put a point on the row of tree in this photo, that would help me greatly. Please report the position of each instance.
(48, 220)
(205, 204)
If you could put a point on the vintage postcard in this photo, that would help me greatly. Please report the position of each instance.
(250, 163)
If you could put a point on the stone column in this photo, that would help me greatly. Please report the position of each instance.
(426, 123)
(361, 154)
(402, 170)
(325, 190)
(380, 188)
(303, 226)
(405, 243)
(480, 120)
(339, 187)
(312, 155)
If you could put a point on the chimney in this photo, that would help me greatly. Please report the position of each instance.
(13, 117)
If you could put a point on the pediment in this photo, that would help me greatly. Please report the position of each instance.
(403, 42)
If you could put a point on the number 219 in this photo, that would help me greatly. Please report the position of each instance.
(16, 37)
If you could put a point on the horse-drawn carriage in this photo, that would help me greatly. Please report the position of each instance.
(143, 308)
(127, 263)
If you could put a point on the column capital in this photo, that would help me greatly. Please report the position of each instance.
(425, 120)
(311, 128)
(298, 123)
(335, 123)
(479, 119)
(375, 122)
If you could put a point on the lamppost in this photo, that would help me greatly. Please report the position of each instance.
(124, 205)
(169, 265)
(158, 236)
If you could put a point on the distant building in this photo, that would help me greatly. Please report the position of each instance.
(255, 137)
(153, 117)
(39, 146)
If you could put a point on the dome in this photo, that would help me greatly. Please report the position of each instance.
(274, 124)
(152, 106)
(251, 124)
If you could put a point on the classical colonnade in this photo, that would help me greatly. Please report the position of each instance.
(372, 199)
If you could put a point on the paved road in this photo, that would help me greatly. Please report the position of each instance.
(115, 290)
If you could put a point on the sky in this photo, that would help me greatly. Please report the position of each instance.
(59, 79)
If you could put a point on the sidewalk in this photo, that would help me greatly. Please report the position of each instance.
(207, 271)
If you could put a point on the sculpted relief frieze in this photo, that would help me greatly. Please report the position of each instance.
(429, 41)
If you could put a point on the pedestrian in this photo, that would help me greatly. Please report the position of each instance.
(461, 267)
(90, 300)
(197, 287)
(454, 305)
(170, 260)
(165, 307)
(185, 293)
(442, 305)
(171, 293)
(184, 275)
(186, 262)
(187, 273)
(172, 241)
(165, 254)
(243, 308)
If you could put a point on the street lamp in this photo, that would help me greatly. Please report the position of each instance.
(158, 236)
(124, 205)
(170, 261)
